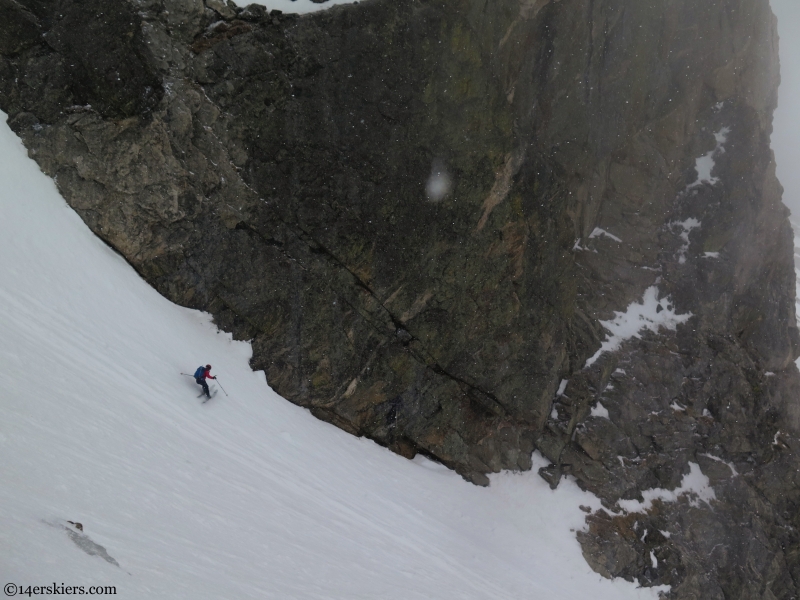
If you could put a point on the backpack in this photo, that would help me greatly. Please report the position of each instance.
(200, 372)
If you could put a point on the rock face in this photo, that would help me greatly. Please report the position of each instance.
(429, 217)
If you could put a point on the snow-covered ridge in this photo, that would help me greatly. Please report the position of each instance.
(247, 496)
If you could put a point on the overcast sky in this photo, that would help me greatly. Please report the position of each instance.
(786, 134)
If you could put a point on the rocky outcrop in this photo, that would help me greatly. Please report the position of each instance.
(441, 222)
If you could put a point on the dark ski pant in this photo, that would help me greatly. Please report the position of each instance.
(202, 381)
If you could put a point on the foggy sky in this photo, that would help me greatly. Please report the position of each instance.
(786, 126)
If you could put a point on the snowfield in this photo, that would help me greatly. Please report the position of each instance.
(247, 496)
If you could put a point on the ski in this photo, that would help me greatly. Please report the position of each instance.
(213, 393)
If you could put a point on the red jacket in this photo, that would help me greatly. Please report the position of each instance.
(207, 374)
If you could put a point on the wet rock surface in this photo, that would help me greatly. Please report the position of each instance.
(421, 214)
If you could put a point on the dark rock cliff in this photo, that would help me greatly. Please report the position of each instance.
(420, 212)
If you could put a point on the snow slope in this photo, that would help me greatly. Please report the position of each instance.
(247, 496)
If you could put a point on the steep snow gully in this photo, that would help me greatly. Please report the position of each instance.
(247, 496)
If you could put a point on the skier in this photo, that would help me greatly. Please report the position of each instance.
(200, 377)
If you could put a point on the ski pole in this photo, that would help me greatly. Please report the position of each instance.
(220, 386)
(187, 374)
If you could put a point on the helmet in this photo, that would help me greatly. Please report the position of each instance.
(208, 366)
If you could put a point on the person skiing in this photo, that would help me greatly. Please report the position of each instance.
(200, 377)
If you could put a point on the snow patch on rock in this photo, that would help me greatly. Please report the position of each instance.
(600, 411)
(734, 472)
(705, 164)
(597, 232)
(649, 315)
(685, 227)
(695, 485)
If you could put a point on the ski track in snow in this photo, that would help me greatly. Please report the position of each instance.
(247, 496)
